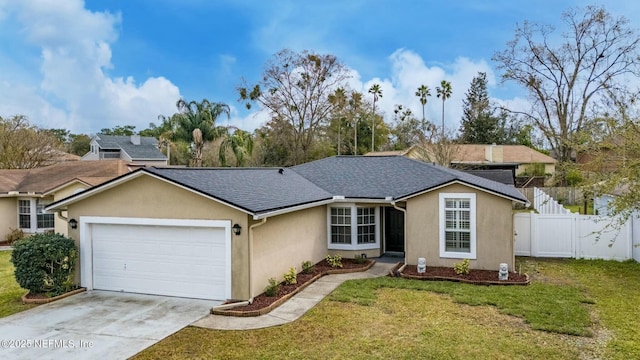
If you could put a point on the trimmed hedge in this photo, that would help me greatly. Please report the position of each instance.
(44, 263)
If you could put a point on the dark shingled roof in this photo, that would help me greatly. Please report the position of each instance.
(501, 176)
(255, 190)
(262, 190)
(381, 176)
(147, 150)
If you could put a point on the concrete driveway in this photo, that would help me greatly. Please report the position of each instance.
(96, 324)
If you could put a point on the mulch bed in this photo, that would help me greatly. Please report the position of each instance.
(479, 277)
(38, 298)
(262, 301)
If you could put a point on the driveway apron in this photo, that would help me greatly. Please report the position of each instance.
(96, 324)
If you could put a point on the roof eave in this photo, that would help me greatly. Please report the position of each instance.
(456, 181)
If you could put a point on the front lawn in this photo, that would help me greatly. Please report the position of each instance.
(10, 291)
(391, 318)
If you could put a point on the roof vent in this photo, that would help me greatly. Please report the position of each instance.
(281, 171)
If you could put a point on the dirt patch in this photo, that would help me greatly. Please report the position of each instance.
(480, 277)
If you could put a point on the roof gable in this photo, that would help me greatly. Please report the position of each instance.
(146, 150)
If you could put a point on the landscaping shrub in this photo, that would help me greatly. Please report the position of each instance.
(272, 288)
(462, 268)
(14, 235)
(44, 263)
(290, 277)
(307, 267)
(359, 259)
(335, 261)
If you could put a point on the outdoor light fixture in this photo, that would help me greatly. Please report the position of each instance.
(73, 223)
(236, 229)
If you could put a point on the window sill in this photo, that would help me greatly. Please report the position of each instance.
(353, 247)
(458, 255)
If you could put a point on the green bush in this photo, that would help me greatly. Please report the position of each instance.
(290, 277)
(307, 267)
(44, 263)
(335, 261)
(359, 259)
(273, 287)
(462, 268)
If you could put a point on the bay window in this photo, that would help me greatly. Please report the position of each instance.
(352, 227)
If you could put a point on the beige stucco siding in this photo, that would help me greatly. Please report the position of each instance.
(148, 197)
(8, 216)
(494, 229)
(286, 241)
(61, 224)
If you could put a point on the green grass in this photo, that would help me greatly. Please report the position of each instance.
(596, 301)
(579, 209)
(10, 291)
(549, 307)
(616, 288)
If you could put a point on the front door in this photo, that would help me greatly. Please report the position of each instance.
(393, 230)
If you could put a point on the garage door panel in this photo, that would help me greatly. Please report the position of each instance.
(163, 260)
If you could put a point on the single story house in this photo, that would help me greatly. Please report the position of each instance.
(140, 150)
(221, 233)
(25, 192)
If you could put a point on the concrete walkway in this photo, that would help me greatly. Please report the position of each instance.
(6, 248)
(295, 307)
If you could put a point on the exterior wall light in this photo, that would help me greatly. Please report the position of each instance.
(236, 229)
(73, 223)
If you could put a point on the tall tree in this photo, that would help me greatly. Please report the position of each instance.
(479, 123)
(118, 130)
(564, 72)
(407, 130)
(241, 144)
(195, 123)
(422, 93)
(339, 114)
(376, 91)
(295, 88)
(24, 146)
(444, 92)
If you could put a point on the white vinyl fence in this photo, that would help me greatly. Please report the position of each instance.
(545, 204)
(576, 236)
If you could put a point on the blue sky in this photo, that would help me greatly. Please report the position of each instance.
(95, 64)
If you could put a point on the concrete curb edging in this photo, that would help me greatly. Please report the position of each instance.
(26, 300)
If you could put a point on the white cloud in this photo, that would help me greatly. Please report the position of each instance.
(408, 72)
(74, 90)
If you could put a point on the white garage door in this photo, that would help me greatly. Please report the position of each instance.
(175, 260)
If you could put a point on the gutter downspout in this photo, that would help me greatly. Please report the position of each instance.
(264, 220)
(59, 212)
(404, 211)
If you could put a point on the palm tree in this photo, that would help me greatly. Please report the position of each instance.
(241, 144)
(377, 93)
(354, 104)
(422, 93)
(196, 124)
(339, 100)
(444, 92)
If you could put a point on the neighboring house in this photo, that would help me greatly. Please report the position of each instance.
(25, 192)
(222, 233)
(141, 150)
(517, 158)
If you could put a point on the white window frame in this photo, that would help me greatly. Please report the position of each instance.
(472, 225)
(33, 214)
(354, 228)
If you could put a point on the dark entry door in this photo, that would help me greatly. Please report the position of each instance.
(394, 230)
